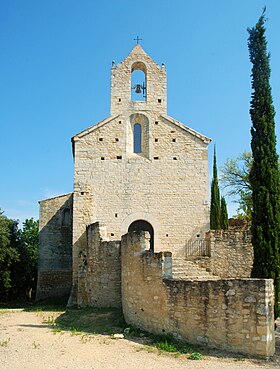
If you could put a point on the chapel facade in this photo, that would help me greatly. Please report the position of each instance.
(138, 169)
(134, 233)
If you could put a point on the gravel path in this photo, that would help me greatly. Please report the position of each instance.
(28, 343)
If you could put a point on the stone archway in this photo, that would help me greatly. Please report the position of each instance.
(143, 225)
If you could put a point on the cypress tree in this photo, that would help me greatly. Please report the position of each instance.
(215, 207)
(264, 175)
(224, 214)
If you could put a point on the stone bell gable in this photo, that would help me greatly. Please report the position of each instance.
(154, 80)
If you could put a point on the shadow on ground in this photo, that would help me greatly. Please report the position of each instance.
(111, 321)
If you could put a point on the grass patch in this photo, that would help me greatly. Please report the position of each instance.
(169, 344)
(163, 343)
(36, 345)
(166, 346)
(195, 356)
(4, 343)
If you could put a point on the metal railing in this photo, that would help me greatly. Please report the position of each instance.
(198, 247)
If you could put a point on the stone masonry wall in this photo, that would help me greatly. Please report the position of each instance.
(156, 99)
(99, 270)
(55, 247)
(235, 315)
(231, 252)
(166, 184)
(138, 188)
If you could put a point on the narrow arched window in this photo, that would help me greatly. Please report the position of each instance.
(137, 138)
(66, 217)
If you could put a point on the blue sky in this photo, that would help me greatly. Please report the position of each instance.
(55, 62)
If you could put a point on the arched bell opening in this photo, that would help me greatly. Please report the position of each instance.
(138, 81)
(142, 225)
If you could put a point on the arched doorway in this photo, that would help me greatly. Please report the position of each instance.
(142, 225)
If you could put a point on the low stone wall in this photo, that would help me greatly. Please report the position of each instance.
(99, 271)
(235, 315)
(55, 247)
(231, 251)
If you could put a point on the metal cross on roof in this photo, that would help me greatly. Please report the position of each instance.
(137, 39)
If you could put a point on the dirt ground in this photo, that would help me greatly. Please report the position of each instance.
(28, 341)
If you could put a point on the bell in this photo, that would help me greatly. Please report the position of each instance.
(138, 89)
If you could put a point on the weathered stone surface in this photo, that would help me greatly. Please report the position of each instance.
(166, 186)
(115, 186)
(55, 247)
(210, 312)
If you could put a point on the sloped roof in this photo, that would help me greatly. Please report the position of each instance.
(186, 128)
(137, 52)
(167, 118)
(93, 127)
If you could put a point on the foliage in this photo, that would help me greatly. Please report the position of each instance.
(215, 207)
(166, 345)
(24, 271)
(235, 178)
(195, 356)
(264, 175)
(18, 257)
(8, 253)
(224, 214)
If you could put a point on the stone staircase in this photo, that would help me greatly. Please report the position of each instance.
(186, 269)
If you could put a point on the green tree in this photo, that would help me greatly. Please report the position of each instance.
(224, 214)
(8, 253)
(24, 271)
(215, 207)
(264, 175)
(235, 178)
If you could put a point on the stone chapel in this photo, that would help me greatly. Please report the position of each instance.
(138, 169)
(134, 233)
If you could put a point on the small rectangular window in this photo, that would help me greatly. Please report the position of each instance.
(156, 123)
(102, 158)
(174, 158)
(100, 139)
(120, 122)
(156, 139)
(174, 140)
(120, 100)
(119, 157)
(156, 157)
(116, 139)
(159, 101)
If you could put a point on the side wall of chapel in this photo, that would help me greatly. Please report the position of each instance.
(55, 247)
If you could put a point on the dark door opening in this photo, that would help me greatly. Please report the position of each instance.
(142, 225)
